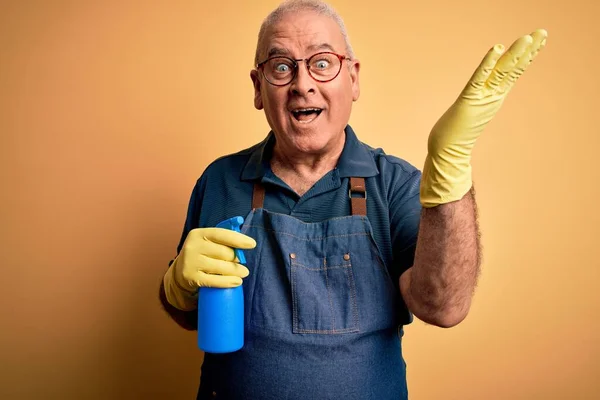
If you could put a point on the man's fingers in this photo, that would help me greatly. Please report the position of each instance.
(230, 238)
(539, 41)
(509, 60)
(225, 237)
(482, 73)
(218, 281)
(203, 246)
(219, 267)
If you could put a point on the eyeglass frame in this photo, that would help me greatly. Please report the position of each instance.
(295, 62)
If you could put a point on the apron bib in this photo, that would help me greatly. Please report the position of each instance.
(320, 314)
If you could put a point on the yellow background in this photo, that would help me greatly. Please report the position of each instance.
(110, 110)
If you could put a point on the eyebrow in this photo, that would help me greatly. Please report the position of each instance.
(277, 51)
(322, 46)
(280, 51)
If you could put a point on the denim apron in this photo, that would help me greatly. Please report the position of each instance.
(320, 313)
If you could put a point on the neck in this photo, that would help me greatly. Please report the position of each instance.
(304, 163)
(301, 170)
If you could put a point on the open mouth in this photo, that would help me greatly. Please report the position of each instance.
(306, 115)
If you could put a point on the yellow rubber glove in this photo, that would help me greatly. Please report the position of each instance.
(447, 171)
(206, 259)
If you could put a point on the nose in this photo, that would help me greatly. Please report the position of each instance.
(303, 83)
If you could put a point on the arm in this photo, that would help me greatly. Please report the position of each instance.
(439, 287)
(185, 319)
(188, 320)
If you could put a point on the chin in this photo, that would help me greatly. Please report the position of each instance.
(310, 147)
(313, 141)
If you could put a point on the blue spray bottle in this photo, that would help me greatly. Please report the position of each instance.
(221, 311)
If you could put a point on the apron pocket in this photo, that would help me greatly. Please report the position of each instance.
(323, 295)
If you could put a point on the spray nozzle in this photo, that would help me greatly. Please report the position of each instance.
(234, 225)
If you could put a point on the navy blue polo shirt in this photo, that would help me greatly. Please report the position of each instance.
(393, 208)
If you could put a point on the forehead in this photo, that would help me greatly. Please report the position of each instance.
(301, 33)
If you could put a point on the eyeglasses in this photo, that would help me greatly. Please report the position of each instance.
(322, 67)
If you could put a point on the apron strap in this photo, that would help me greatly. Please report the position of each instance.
(258, 196)
(357, 204)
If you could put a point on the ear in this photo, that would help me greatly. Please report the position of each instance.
(354, 70)
(258, 103)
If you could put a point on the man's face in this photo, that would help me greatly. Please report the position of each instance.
(299, 36)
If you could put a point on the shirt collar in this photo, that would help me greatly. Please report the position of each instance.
(356, 159)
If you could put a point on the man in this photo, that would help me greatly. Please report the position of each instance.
(344, 244)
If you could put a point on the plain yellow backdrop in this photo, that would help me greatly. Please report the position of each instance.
(110, 110)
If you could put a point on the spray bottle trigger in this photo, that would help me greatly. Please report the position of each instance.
(234, 225)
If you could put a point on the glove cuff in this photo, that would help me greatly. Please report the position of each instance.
(444, 182)
(177, 296)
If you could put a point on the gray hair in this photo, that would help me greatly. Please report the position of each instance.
(291, 6)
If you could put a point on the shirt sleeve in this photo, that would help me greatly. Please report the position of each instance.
(192, 219)
(186, 319)
(405, 216)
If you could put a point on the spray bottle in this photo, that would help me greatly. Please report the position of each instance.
(221, 311)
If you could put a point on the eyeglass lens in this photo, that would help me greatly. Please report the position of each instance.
(321, 66)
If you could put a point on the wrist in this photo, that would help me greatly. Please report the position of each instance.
(444, 181)
(177, 296)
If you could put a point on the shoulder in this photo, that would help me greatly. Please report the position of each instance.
(397, 182)
(230, 163)
(388, 162)
(233, 168)
(223, 173)
(393, 170)
(220, 191)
